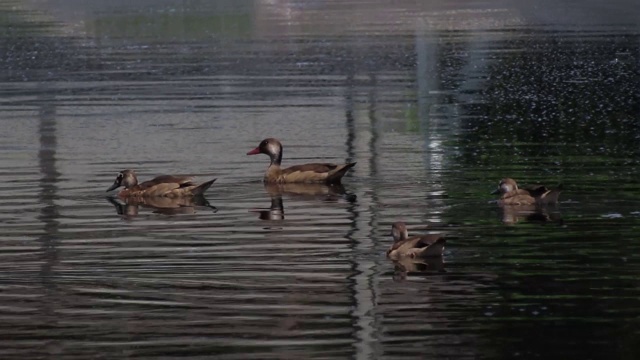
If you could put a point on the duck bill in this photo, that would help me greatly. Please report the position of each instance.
(254, 151)
(113, 186)
(496, 191)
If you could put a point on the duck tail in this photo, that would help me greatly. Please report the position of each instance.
(200, 189)
(441, 241)
(336, 175)
(433, 250)
(552, 196)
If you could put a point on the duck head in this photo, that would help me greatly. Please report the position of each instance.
(399, 231)
(271, 147)
(506, 185)
(126, 178)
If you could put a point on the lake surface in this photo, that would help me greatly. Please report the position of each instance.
(435, 101)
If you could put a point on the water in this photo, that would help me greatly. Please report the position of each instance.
(436, 102)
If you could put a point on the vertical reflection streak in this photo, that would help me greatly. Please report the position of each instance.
(364, 137)
(49, 212)
(427, 78)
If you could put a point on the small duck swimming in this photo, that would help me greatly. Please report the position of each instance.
(164, 185)
(510, 194)
(420, 246)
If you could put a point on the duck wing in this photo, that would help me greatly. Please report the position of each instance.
(429, 246)
(313, 168)
(523, 199)
(404, 246)
(161, 189)
(537, 190)
(315, 172)
(179, 181)
(416, 242)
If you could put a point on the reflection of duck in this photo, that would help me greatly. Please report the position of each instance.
(529, 213)
(421, 246)
(161, 186)
(314, 191)
(275, 211)
(308, 173)
(406, 265)
(510, 194)
(161, 205)
(321, 192)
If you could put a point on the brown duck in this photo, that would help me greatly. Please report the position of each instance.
(421, 246)
(164, 185)
(510, 194)
(307, 173)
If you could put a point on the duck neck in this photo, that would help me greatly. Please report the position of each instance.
(511, 193)
(276, 158)
(130, 183)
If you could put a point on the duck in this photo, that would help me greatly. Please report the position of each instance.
(510, 194)
(421, 246)
(325, 173)
(172, 186)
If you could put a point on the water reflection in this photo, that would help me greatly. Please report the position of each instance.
(130, 206)
(512, 214)
(310, 192)
(304, 192)
(406, 266)
(49, 214)
(275, 210)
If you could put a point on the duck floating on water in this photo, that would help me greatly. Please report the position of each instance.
(510, 194)
(307, 173)
(172, 186)
(421, 246)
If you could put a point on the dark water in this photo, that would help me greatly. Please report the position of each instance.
(435, 101)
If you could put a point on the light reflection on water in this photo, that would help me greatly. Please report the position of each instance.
(260, 271)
